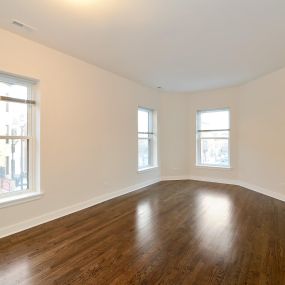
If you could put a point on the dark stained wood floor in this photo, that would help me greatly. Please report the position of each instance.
(176, 232)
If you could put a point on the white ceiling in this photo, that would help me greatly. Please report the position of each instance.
(181, 45)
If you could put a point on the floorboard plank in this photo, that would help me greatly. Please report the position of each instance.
(173, 232)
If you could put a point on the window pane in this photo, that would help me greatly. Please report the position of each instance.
(215, 152)
(13, 90)
(214, 120)
(13, 119)
(143, 121)
(13, 165)
(218, 134)
(143, 146)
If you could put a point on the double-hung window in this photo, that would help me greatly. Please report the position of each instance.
(147, 146)
(213, 138)
(17, 136)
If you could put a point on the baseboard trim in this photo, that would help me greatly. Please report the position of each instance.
(240, 183)
(169, 178)
(6, 231)
(214, 180)
(262, 190)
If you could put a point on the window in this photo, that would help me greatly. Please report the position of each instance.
(213, 136)
(147, 157)
(17, 151)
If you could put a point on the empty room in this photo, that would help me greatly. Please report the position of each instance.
(142, 142)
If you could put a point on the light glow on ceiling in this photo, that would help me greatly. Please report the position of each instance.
(81, 2)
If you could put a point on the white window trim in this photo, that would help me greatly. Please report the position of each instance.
(146, 169)
(20, 198)
(213, 166)
(33, 192)
(154, 150)
(198, 140)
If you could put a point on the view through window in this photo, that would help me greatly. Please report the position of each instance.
(213, 134)
(146, 139)
(15, 135)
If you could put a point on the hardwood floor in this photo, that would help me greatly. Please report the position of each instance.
(176, 232)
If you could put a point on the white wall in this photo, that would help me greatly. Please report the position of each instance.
(257, 136)
(262, 132)
(88, 127)
(174, 135)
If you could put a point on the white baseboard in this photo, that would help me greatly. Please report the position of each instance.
(263, 191)
(6, 231)
(199, 178)
(246, 185)
(169, 178)
(214, 180)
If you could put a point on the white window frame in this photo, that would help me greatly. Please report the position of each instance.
(152, 133)
(33, 191)
(199, 139)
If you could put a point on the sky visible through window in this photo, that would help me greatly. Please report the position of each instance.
(215, 120)
(143, 121)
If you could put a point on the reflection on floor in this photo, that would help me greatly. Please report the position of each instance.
(174, 232)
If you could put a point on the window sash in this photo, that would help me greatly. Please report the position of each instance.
(200, 138)
(150, 151)
(149, 136)
(146, 133)
(15, 137)
(214, 138)
(201, 112)
(17, 100)
(217, 130)
(28, 166)
(29, 137)
(199, 152)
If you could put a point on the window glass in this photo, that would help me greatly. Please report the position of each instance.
(13, 165)
(13, 119)
(215, 120)
(213, 135)
(215, 152)
(13, 90)
(16, 136)
(146, 139)
(143, 121)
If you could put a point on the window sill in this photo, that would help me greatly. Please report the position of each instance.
(142, 170)
(213, 166)
(20, 198)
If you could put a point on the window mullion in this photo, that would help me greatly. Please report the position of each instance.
(216, 130)
(214, 138)
(15, 137)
